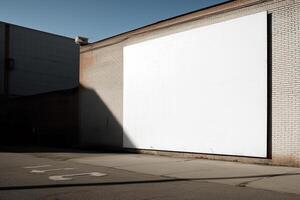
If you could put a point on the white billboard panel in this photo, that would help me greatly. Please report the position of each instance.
(203, 90)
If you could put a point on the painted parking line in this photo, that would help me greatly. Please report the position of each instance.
(67, 177)
(49, 170)
(36, 166)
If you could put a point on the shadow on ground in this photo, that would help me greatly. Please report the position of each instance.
(166, 180)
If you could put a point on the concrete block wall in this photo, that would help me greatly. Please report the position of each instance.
(42, 62)
(286, 83)
(41, 85)
(285, 72)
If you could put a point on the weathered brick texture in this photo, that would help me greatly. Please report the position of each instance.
(286, 83)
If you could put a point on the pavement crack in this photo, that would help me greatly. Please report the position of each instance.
(245, 183)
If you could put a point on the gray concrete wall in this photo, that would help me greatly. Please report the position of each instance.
(43, 62)
(44, 81)
(102, 71)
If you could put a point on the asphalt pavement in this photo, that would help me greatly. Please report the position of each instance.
(67, 175)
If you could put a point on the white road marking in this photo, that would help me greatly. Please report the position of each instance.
(68, 176)
(49, 170)
(37, 166)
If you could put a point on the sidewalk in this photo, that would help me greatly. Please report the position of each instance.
(274, 178)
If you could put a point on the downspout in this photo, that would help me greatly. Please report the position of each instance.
(6, 58)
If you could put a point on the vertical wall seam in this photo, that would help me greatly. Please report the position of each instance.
(6, 58)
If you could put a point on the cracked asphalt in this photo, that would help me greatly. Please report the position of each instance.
(138, 176)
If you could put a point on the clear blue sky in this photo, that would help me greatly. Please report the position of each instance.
(95, 19)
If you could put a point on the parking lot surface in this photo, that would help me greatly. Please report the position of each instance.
(94, 175)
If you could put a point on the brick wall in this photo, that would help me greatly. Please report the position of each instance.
(286, 83)
(285, 75)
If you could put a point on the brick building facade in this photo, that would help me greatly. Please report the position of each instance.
(101, 70)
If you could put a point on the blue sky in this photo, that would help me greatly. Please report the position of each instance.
(95, 19)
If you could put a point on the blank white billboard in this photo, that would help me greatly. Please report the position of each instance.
(203, 90)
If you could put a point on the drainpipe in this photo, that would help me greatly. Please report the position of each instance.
(6, 58)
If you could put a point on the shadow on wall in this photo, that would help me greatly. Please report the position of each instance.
(49, 119)
(76, 118)
(99, 128)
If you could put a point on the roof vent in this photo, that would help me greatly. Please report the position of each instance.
(81, 40)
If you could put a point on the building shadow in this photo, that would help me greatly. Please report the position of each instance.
(49, 119)
(153, 181)
(75, 119)
(99, 129)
